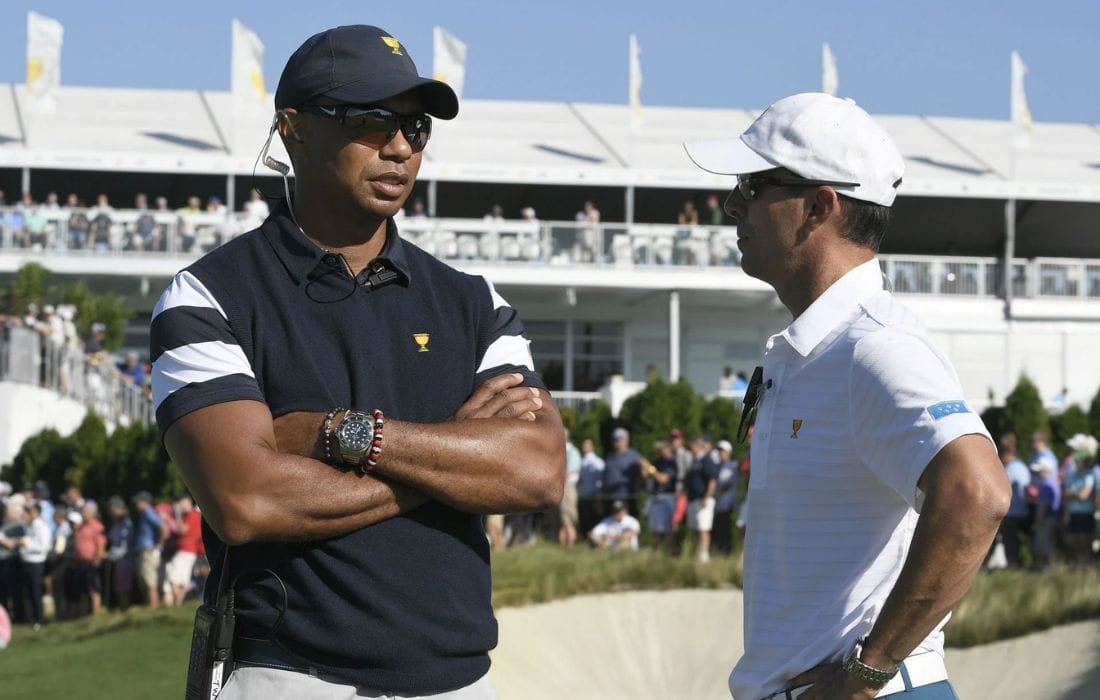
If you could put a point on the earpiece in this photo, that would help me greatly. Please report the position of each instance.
(276, 165)
(293, 133)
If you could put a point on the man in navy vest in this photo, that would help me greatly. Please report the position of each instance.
(344, 407)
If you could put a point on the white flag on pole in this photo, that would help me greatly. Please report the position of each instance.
(829, 79)
(44, 35)
(449, 57)
(635, 86)
(247, 72)
(1021, 115)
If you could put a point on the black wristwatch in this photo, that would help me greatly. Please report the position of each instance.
(874, 677)
(354, 437)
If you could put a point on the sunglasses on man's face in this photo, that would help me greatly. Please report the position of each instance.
(748, 186)
(376, 126)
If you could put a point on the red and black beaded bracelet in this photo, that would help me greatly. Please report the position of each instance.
(370, 458)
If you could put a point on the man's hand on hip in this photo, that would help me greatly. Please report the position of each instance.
(832, 682)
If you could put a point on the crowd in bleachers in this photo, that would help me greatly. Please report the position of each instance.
(74, 225)
(71, 558)
(77, 225)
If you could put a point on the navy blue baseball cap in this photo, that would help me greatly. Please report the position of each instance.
(358, 64)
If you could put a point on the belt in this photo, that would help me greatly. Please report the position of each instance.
(916, 671)
(263, 652)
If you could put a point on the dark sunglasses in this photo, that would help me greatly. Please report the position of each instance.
(376, 126)
(748, 186)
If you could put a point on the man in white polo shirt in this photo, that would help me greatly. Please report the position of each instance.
(876, 491)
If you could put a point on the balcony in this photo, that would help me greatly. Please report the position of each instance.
(161, 242)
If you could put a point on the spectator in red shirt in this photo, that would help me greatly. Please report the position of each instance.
(182, 565)
(89, 551)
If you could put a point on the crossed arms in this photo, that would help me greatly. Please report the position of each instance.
(262, 479)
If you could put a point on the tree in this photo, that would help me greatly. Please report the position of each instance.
(997, 422)
(108, 309)
(1065, 425)
(46, 456)
(1025, 411)
(595, 424)
(1094, 415)
(721, 417)
(89, 453)
(28, 286)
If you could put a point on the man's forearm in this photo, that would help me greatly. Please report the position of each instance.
(478, 462)
(490, 465)
(254, 491)
(958, 522)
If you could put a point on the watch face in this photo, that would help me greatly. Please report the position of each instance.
(355, 435)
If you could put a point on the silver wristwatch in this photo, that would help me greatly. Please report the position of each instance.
(354, 436)
(873, 677)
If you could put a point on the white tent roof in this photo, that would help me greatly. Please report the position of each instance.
(531, 142)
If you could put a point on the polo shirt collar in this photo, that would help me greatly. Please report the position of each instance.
(304, 259)
(834, 306)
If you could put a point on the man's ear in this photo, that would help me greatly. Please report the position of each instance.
(824, 207)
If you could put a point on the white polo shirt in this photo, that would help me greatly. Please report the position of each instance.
(859, 403)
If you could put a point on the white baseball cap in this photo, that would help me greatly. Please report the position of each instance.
(815, 136)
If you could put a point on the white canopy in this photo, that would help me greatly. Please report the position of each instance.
(114, 129)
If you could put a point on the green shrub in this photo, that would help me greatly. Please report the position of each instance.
(1025, 411)
(1094, 415)
(1065, 425)
(129, 460)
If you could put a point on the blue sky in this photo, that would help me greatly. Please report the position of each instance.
(918, 57)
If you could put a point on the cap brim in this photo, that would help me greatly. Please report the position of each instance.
(727, 157)
(438, 97)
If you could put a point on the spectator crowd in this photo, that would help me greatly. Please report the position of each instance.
(686, 497)
(67, 559)
(1055, 510)
(78, 225)
(71, 559)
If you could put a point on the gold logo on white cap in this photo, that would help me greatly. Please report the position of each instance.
(796, 425)
(393, 44)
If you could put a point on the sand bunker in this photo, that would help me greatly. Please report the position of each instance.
(682, 644)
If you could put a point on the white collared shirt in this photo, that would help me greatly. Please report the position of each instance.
(859, 403)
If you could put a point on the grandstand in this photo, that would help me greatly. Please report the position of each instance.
(638, 290)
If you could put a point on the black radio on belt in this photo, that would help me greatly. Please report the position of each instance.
(211, 659)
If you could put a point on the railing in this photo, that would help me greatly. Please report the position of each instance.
(533, 242)
(579, 401)
(27, 357)
(984, 277)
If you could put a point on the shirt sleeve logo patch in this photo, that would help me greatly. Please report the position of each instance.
(947, 408)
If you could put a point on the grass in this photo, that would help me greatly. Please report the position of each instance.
(1005, 604)
(142, 653)
(539, 574)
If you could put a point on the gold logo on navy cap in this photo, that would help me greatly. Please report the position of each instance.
(393, 44)
(422, 340)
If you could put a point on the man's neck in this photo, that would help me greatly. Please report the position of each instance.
(358, 240)
(805, 284)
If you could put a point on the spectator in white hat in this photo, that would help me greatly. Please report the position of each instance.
(1080, 499)
(876, 492)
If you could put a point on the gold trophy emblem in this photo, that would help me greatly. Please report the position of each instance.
(422, 340)
(796, 425)
(393, 44)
